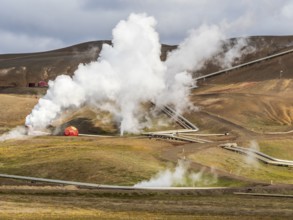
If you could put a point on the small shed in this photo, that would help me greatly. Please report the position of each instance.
(31, 84)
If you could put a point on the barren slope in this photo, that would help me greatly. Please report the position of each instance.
(257, 97)
(21, 69)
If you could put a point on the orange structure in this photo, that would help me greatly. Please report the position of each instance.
(71, 131)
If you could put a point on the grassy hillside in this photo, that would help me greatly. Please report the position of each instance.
(123, 161)
(281, 148)
(246, 102)
(245, 166)
(14, 109)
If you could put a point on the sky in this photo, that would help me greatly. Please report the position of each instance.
(40, 25)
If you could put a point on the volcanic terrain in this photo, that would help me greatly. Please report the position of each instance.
(250, 105)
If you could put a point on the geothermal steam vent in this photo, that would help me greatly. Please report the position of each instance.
(130, 72)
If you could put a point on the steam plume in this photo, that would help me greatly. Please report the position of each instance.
(235, 51)
(130, 73)
(250, 159)
(16, 133)
(126, 74)
(200, 45)
(180, 176)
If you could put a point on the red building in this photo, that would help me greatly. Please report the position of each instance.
(42, 84)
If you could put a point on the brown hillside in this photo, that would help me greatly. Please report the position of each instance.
(17, 70)
(263, 46)
(21, 69)
(257, 97)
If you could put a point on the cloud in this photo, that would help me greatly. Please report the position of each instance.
(15, 43)
(287, 11)
(75, 21)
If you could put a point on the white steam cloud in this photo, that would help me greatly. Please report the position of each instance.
(22, 132)
(234, 52)
(16, 133)
(180, 176)
(126, 74)
(129, 73)
(190, 56)
(250, 159)
(200, 45)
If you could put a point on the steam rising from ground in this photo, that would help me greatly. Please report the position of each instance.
(130, 73)
(179, 176)
(249, 158)
(234, 52)
(16, 133)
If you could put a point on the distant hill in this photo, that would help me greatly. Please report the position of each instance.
(18, 70)
(258, 97)
(263, 46)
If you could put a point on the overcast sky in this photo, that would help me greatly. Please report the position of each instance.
(39, 25)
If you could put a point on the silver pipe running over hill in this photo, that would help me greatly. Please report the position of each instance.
(241, 65)
(177, 134)
(100, 186)
(258, 155)
(179, 118)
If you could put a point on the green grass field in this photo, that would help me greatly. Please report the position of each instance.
(117, 160)
(123, 161)
(241, 165)
(282, 149)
